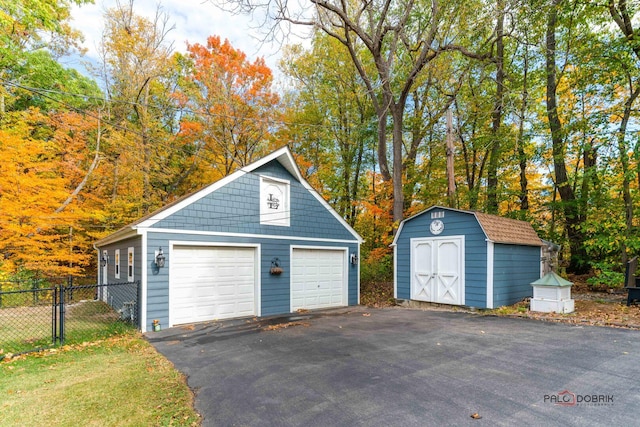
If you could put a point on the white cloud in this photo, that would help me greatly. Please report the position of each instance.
(193, 20)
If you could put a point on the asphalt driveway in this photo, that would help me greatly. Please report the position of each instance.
(403, 367)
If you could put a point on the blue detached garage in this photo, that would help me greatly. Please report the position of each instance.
(259, 242)
(456, 257)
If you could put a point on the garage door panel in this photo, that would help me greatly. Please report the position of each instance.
(212, 283)
(318, 279)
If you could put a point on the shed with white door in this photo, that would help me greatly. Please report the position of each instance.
(259, 242)
(456, 257)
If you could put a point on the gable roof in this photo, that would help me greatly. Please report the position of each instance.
(282, 156)
(497, 229)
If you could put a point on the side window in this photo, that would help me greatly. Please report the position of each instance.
(130, 265)
(117, 263)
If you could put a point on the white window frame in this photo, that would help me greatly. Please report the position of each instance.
(117, 263)
(281, 218)
(130, 265)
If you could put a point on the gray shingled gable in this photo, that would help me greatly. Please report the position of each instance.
(233, 203)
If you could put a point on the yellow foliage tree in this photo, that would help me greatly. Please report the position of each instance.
(40, 170)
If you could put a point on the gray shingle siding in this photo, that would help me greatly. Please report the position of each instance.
(235, 208)
(136, 243)
(117, 295)
(228, 214)
(275, 290)
(515, 267)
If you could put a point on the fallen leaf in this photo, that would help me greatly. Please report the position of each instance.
(366, 314)
(476, 416)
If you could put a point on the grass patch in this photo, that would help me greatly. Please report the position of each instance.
(519, 308)
(119, 381)
(92, 320)
(29, 328)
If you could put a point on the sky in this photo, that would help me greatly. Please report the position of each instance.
(194, 21)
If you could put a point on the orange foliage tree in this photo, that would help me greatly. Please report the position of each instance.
(43, 224)
(230, 109)
(375, 225)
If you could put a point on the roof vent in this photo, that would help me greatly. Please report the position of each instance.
(437, 214)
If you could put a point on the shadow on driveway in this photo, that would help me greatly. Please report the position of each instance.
(401, 367)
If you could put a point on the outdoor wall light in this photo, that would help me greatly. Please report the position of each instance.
(104, 260)
(160, 258)
(354, 259)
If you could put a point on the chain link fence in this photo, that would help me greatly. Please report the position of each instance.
(42, 313)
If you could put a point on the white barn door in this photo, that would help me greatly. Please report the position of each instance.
(437, 270)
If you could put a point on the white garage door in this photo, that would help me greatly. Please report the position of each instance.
(318, 279)
(209, 283)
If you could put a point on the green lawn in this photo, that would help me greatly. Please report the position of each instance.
(119, 381)
(29, 327)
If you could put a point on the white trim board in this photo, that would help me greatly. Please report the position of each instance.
(490, 251)
(247, 235)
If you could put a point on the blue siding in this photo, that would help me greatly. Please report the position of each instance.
(514, 268)
(235, 208)
(124, 245)
(455, 224)
(120, 294)
(275, 290)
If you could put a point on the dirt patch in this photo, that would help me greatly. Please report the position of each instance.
(377, 294)
(592, 307)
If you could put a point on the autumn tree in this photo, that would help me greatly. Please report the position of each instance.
(230, 110)
(330, 122)
(400, 39)
(43, 161)
(625, 56)
(136, 63)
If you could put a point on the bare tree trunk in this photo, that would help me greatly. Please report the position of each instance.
(451, 180)
(570, 207)
(496, 115)
(620, 15)
(382, 146)
(626, 179)
(94, 164)
(522, 157)
(398, 172)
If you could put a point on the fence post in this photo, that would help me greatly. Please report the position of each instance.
(34, 286)
(54, 315)
(62, 314)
